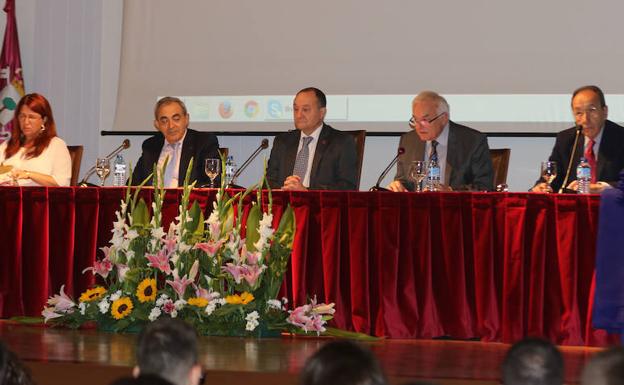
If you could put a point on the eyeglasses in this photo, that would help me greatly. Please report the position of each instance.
(589, 111)
(29, 117)
(423, 121)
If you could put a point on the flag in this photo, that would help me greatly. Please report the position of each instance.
(11, 79)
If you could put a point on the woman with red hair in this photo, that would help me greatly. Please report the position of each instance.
(37, 156)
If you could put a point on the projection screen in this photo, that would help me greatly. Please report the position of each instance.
(503, 66)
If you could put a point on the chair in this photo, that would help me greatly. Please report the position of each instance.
(360, 137)
(500, 163)
(75, 152)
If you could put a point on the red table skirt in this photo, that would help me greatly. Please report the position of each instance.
(493, 266)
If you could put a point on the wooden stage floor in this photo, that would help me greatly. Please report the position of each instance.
(61, 356)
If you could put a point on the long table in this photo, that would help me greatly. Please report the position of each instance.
(493, 266)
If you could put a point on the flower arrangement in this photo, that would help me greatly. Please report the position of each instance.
(221, 274)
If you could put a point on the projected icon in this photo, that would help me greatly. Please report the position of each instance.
(252, 109)
(225, 109)
(275, 109)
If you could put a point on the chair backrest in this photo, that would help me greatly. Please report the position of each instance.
(500, 163)
(360, 138)
(75, 152)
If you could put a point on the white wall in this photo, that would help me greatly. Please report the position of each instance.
(70, 53)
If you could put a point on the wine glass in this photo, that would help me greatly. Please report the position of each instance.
(418, 171)
(549, 173)
(212, 168)
(102, 169)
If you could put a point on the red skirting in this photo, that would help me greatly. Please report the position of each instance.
(492, 266)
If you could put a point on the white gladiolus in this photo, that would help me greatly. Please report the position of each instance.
(154, 314)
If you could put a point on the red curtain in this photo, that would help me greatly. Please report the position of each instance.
(465, 265)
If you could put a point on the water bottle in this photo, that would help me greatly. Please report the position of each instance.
(433, 175)
(119, 175)
(230, 169)
(583, 176)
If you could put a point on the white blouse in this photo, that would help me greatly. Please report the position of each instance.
(54, 161)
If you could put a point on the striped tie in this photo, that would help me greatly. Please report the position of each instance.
(171, 165)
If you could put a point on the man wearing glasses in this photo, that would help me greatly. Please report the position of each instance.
(602, 144)
(462, 152)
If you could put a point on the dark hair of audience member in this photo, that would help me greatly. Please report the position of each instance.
(167, 348)
(147, 379)
(344, 363)
(605, 368)
(12, 371)
(533, 361)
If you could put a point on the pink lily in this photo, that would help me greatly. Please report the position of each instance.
(60, 303)
(234, 270)
(168, 306)
(252, 273)
(250, 257)
(121, 271)
(159, 261)
(211, 247)
(48, 314)
(179, 284)
(102, 267)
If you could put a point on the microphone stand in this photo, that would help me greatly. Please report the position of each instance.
(376, 187)
(264, 144)
(572, 155)
(124, 145)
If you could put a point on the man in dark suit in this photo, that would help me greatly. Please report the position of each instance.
(314, 156)
(463, 153)
(176, 143)
(598, 134)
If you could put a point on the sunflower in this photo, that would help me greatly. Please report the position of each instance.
(198, 301)
(236, 299)
(146, 291)
(92, 294)
(246, 298)
(122, 307)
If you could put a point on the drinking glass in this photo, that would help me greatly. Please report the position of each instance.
(212, 167)
(102, 169)
(549, 173)
(418, 171)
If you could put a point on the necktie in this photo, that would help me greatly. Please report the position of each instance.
(301, 162)
(172, 151)
(434, 150)
(591, 159)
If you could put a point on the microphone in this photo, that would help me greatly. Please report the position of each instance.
(264, 144)
(376, 187)
(572, 155)
(124, 145)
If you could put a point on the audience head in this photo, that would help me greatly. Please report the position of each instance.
(590, 110)
(142, 380)
(309, 108)
(12, 371)
(605, 368)
(344, 363)
(33, 126)
(171, 118)
(430, 114)
(168, 348)
(533, 362)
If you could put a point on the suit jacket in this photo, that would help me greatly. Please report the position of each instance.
(610, 154)
(335, 160)
(468, 162)
(196, 145)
